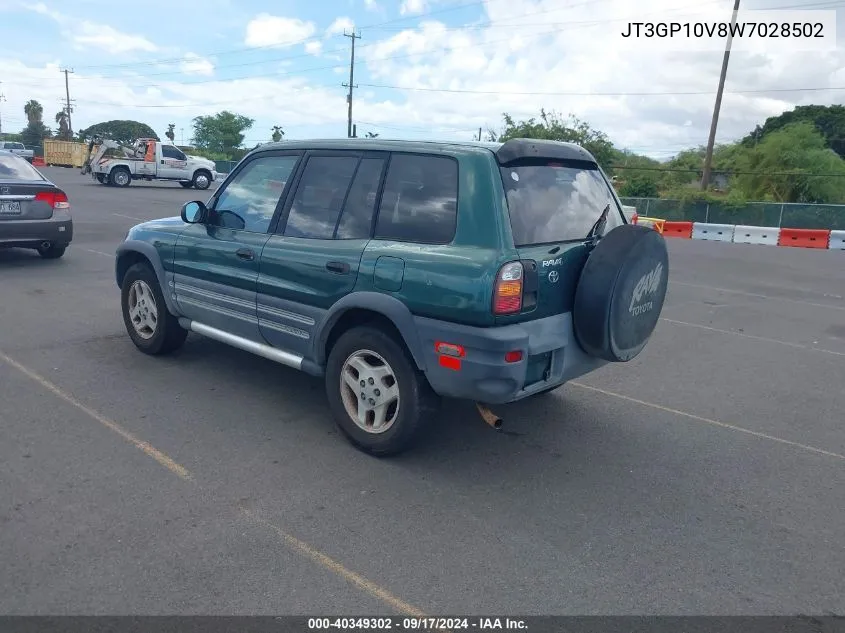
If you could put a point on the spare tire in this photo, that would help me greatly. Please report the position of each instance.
(620, 293)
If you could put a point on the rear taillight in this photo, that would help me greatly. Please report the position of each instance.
(507, 296)
(56, 199)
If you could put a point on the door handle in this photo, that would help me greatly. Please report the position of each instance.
(245, 253)
(338, 267)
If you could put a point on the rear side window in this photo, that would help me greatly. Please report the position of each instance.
(319, 196)
(420, 200)
(14, 168)
(357, 217)
(553, 202)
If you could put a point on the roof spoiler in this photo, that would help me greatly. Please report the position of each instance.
(527, 148)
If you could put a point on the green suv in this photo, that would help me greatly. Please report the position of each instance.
(404, 271)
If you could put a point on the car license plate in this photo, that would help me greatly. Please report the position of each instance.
(10, 208)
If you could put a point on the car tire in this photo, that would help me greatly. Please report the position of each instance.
(406, 401)
(201, 180)
(101, 178)
(141, 297)
(54, 251)
(120, 177)
(186, 185)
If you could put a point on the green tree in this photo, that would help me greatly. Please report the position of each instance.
(171, 132)
(34, 111)
(828, 120)
(222, 132)
(552, 126)
(122, 131)
(62, 120)
(278, 133)
(792, 164)
(640, 186)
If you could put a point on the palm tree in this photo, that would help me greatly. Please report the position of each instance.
(278, 133)
(372, 134)
(34, 111)
(61, 119)
(171, 134)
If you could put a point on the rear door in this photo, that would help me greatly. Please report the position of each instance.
(20, 186)
(553, 207)
(313, 258)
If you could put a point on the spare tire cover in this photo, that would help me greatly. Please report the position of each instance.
(621, 292)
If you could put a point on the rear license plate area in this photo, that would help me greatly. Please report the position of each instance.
(10, 208)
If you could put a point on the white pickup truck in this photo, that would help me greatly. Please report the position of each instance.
(148, 159)
(17, 148)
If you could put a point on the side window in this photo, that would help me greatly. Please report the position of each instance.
(420, 200)
(357, 217)
(168, 151)
(249, 200)
(319, 196)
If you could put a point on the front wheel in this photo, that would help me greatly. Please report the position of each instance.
(151, 327)
(377, 396)
(202, 180)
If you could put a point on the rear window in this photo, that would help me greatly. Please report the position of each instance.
(15, 168)
(556, 202)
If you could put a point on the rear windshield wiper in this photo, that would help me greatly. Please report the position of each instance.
(598, 227)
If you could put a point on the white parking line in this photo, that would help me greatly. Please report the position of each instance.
(91, 250)
(129, 217)
(756, 338)
(759, 296)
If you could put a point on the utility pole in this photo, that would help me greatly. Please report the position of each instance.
(68, 106)
(708, 157)
(479, 134)
(351, 83)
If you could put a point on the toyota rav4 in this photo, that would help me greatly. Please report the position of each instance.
(401, 271)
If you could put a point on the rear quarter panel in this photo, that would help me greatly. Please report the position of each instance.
(452, 282)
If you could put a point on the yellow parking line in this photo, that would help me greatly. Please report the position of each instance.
(147, 448)
(293, 543)
(699, 418)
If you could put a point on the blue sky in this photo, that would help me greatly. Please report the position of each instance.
(425, 68)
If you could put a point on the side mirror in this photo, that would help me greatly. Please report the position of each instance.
(194, 212)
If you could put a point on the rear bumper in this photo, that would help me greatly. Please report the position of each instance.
(31, 233)
(550, 357)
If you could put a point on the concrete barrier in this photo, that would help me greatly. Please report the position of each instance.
(713, 232)
(837, 241)
(804, 238)
(768, 235)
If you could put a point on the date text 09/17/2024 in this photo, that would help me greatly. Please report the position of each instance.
(417, 624)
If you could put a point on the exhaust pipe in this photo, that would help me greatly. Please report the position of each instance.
(488, 416)
(45, 245)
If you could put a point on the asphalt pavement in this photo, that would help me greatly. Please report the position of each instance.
(707, 476)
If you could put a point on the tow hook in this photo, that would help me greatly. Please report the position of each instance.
(488, 416)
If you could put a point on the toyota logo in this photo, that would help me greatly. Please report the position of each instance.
(554, 276)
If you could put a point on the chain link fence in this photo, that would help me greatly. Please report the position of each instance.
(790, 215)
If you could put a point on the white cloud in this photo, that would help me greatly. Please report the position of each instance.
(340, 25)
(314, 47)
(529, 46)
(412, 6)
(194, 64)
(371, 5)
(270, 30)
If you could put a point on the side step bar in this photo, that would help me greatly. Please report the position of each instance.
(259, 349)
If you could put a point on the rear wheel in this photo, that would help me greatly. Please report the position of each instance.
(101, 178)
(120, 177)
(54, 251)
(378, 398)
(151, 327)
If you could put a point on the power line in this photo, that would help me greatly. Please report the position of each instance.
(729, 172)
(593, 94)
